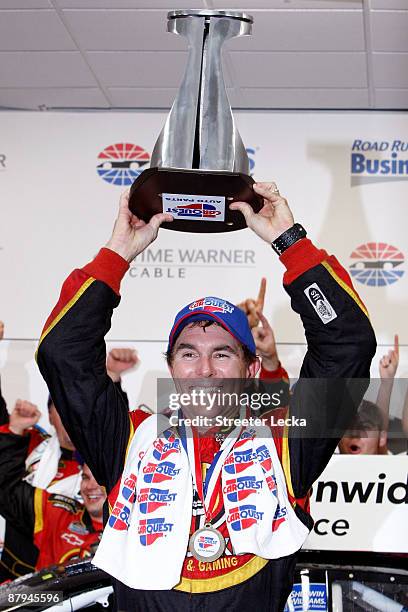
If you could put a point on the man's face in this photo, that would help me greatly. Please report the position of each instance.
(204, 357)
(62, 434)
(93, 494)
(363, 442)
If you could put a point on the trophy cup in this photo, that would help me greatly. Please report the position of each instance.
(199, 164)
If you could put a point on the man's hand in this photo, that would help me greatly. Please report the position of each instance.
(1, 330)
(252, 307)
(274, 218)
(24, 415)
(130, 235)
(265, 344)
(389, 363)
(120, 360)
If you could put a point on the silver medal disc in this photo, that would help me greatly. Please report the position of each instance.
(207, 544)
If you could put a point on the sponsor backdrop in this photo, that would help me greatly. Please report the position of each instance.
(350, 490)
(344, 174)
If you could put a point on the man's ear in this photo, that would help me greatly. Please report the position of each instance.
(254, 368)
(382, 440)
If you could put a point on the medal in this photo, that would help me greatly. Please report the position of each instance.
(207, 543)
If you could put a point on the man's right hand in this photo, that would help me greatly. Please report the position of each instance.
(1, 330)
(24, 415)
(131, 235)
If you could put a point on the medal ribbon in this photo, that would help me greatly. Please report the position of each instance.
(206, 489)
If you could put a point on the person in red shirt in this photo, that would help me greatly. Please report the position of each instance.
(61, 527)
(51, 462)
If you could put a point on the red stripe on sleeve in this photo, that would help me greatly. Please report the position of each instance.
(278, 374)
(72, 284)
(299, 258)
(108, 267)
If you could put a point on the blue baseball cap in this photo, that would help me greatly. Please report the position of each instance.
(211, 308)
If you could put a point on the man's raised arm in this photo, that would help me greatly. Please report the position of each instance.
(72, 352)
(340, 339)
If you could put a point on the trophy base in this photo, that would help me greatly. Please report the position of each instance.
(194, 197)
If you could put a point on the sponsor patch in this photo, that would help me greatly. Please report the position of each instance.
(312, 597)
(159, 472)
(78, 527)
(128, 490)
(163, 449)
(243, 517)
(238, 461)
(152, 529)
(60, 501)
(119, 518)
(194, 207)
(239, 488)
(320, 303)
(211, 304)
(279, 518)
(150, 499)
(72, 539)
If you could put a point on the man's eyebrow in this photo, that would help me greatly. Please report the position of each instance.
(184, 345)
(222, 347)
(226, 347)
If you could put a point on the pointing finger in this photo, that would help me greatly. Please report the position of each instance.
(261, 295)
(396, 344)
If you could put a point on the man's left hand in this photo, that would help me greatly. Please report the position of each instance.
(274, 218)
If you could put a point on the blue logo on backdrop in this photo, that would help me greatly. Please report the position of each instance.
(379, 160)
(121, 163)
(377, 264)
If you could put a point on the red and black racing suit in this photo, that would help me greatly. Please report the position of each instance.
(341, 345)
(20, 554)
(59, 526)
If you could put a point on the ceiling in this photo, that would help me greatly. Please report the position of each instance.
(116, 54)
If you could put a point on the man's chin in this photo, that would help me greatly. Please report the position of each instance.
(94, 512)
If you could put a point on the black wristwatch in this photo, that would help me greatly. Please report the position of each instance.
(285, 240)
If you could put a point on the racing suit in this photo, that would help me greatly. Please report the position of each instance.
(341, 344)
(20, 554)
(59, 526)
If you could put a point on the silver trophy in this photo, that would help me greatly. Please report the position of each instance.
(199, 164)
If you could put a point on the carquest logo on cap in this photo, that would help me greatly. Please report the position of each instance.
(212, 305)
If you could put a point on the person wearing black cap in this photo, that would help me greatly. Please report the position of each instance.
(177, 536)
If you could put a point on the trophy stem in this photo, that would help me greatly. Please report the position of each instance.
(199, 164)
(200, 131)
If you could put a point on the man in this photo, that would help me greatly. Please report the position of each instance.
(51, 463)
(366, 434)
(60, 527)
(131, 457)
